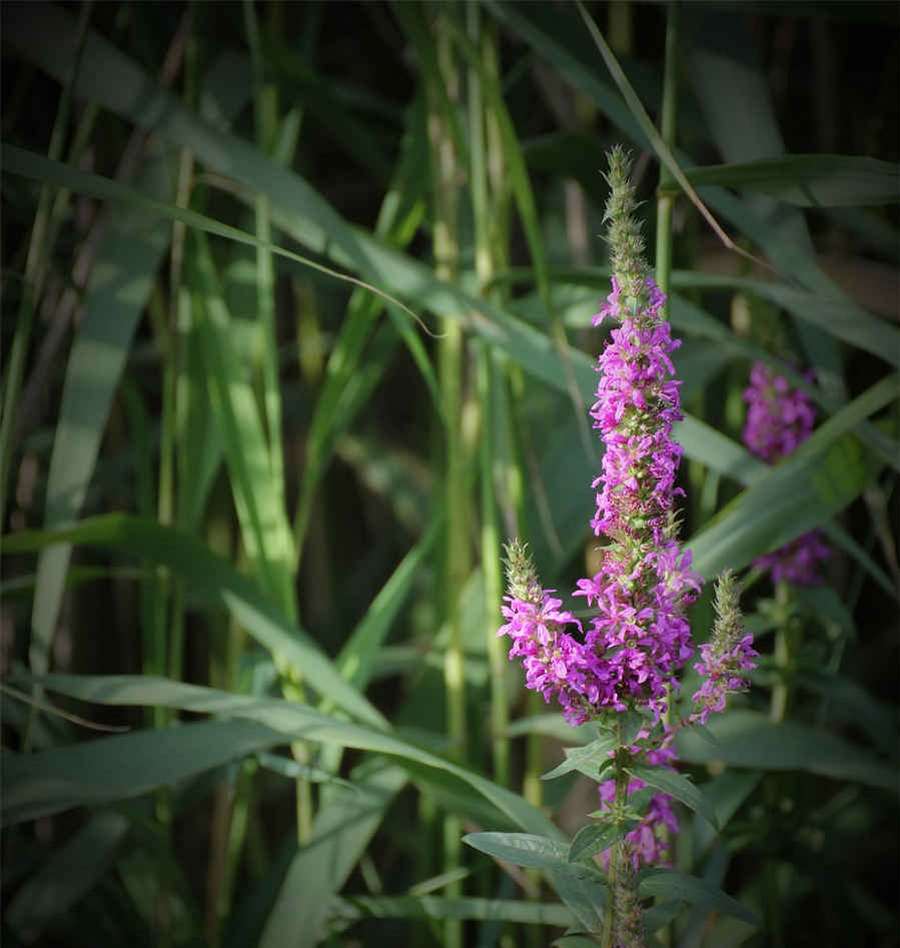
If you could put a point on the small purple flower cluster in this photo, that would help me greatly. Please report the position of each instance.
(721, 670)
(779, 419)
(727, 657)
(648, 841)
(556, 664)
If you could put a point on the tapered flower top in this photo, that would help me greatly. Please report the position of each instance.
(638, 638)
(727, 657)
(645, 581)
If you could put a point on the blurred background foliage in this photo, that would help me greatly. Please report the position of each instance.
(253, 513)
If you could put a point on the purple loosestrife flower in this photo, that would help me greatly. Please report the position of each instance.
(779, 419)
(645, 582)
(727, 657)
(639, 638)
(556, 663)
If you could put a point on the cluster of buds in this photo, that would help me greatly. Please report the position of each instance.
(727, 657)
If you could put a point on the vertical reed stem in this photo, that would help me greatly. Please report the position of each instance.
(665, 202)
(781, 688)
(664, 207)
(35, 271)
(451, 354)
(490, 534)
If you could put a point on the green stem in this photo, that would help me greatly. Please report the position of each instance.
(490, 534)
(36, 266)
(451, 352)
(618, 852)
(265, 116)
(782, 655)
(665, 202)
(664, 207)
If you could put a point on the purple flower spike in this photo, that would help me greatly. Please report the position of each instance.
(629, 653)
(728, 656)
(779, 419)
(645, 581)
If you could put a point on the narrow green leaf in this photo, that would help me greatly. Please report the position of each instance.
(550, 725)
(678, 786)
(597, 838)
(590, 760)
(727, 793)
(341, 832)
(294, 721)
(526, 849)
(293, 770)
(667, 884)
(127, 260)
(123, 766)
(258, 490)
(358, 656)
(809, 180)
(419, 907)
(215, 579)
(67, 875)
(750, 739)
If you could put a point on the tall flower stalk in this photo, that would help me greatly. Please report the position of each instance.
(622, 664)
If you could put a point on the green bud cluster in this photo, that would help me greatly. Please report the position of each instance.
(521, 576)
(729, 624)
(624, 231)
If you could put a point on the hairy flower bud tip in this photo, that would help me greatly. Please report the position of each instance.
(521, 575)
(729, 655)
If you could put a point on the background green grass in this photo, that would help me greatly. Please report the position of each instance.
(253, 512)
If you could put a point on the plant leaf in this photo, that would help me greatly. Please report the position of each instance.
(589, 760)
(678, 786)
(666, 883)
(597, 838)
(750, 739)
(215, 579)
(809, 180)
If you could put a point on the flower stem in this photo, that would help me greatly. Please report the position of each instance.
(618, 852)
(485, 268)
(664, 206)
(666, 201)
(783, 650)
(451, 359)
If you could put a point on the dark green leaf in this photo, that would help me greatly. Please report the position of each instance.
(667, 884)
(589, 760)
(597, 838)
(678, 786)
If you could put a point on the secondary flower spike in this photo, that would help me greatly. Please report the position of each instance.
(727, 657)
(779, 419)
(633, 647)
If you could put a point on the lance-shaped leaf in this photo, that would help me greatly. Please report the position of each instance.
(589, 760)
(678, 786)
(597, 838)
